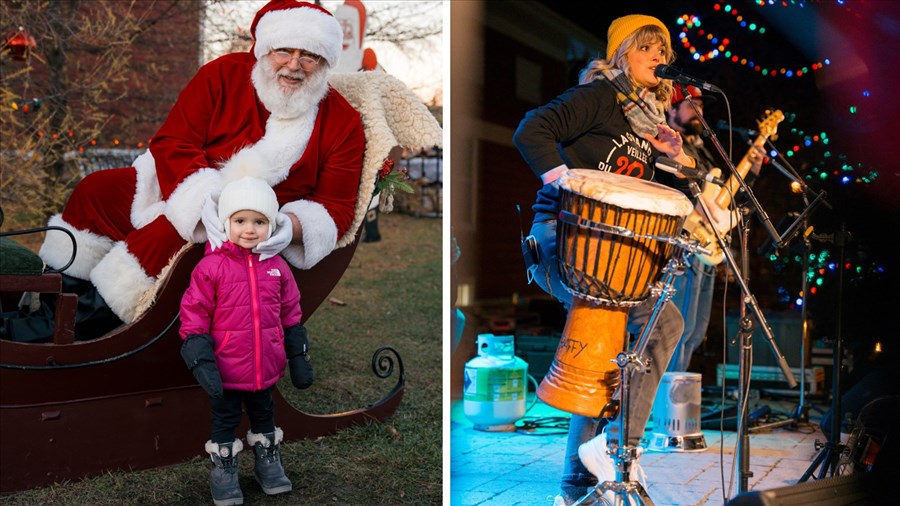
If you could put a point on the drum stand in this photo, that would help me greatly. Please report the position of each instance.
(625, 490)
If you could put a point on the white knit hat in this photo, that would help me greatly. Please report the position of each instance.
(248, 193)
(297, 25)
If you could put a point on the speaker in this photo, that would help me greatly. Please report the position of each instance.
(787, 331)
(855, 489)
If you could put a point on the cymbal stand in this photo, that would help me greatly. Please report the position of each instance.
(625, 490)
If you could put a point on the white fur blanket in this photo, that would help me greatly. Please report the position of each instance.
(392, 115)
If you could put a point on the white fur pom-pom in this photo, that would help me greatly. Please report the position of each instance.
(246, 162)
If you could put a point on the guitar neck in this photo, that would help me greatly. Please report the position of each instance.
(723, 199)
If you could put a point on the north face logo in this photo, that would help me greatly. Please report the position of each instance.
(274, 272)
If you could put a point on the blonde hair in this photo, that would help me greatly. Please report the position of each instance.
(645, 35)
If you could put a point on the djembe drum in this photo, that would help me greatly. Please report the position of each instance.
(611, 244)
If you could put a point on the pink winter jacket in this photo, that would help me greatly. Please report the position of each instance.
(244, 304)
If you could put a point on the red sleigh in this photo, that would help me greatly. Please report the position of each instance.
(71, 409)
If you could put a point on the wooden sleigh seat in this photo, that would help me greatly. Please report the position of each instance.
(22, 271)
(71, 409)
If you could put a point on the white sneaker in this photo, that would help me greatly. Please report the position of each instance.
(559, 501)
(594, 456)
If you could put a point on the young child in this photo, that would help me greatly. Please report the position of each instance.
(240, 321)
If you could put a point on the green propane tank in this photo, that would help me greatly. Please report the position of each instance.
(495, 385)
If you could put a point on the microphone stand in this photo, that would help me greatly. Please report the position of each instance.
(749, 299)
(830, 453)
(745, 335)
(746, 324)
(801, 413)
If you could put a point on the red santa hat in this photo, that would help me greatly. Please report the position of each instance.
(678, 95)
(298, 25)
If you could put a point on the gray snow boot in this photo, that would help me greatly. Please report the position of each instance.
(223, 480)
(268, 469)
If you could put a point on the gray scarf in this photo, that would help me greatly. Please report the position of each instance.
(640, 106)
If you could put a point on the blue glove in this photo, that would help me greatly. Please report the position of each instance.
(215, 229)
(284, 233)
(197, 352)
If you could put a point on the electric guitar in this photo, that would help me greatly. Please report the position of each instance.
(696, 225)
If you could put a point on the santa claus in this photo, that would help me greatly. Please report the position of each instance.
(268, 113)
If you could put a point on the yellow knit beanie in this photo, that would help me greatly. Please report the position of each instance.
(622, 27)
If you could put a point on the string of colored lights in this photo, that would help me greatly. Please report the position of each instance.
(785, 3)
(788, 3)
(827, 166)
(33, 105)
(830, 163)
(821, 266)
(822, 269)
(721, 47)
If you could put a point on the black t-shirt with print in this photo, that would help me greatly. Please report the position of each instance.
(584, 127)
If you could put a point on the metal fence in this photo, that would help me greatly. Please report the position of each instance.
(425, 170)
(91, 160)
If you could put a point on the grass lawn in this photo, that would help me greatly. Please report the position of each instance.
(391, 295)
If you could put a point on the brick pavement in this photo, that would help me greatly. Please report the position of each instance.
(512, 469)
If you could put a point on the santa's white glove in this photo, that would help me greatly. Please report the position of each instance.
(215, 229)
(284, 233)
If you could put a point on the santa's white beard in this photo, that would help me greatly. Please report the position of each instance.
(293, 103)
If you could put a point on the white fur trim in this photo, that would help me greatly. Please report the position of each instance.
(246, 162)
(185, 204)
(319, 233)
(213, 448)
(148, 204)
(392, 115)
(252, 438)
(121, 281)
(57, 248)
(148, 299)
(272, 157)
(300, 28)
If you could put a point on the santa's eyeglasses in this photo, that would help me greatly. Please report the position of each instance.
(308, 61)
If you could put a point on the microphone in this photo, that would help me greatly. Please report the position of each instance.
(672, 167)
(747, 132)
(666, 72)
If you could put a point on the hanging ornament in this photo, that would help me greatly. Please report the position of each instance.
(19, 44)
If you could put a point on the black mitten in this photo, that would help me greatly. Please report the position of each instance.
(197, 352)
(296, 346)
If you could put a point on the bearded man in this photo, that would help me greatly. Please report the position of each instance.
(694, 289)
(268, 113)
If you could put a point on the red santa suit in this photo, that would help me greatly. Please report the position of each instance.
(130, 222)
